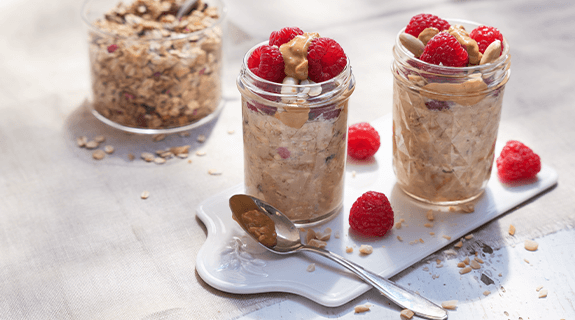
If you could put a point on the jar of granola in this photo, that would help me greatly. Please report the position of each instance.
(445, 123)
(295, 142)
(152, 73)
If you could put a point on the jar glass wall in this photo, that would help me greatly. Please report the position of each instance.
(445, 123)
(295, 144)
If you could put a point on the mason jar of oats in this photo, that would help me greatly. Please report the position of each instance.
(151, 72)
(445, 123)
(295, 142)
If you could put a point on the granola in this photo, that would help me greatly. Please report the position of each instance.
(149, 70)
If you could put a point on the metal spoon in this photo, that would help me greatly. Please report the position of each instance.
(185, 8)
(289, 241)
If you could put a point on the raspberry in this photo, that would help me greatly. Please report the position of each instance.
(444, 49)
(363, 141)
(277, 38)
(267, 62)
(517, 162)
(326, 59)
(371, 214)
(437, 105)
(485, 35)
(421, 21)
(112, 48)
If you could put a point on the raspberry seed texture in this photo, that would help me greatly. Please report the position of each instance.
(285, 35)
(444, 49)
(517, 162)
(371, 214)
(267, 62)
(484, 36)
(363, 141)
(422, 21)
(326, 59)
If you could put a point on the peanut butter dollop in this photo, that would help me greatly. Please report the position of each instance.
(295, 55)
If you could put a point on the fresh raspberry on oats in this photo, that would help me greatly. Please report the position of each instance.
(444, 49)
(371, 214)
(267, 62)
(517, 162)
(485, 35)
(422, 21)
(277, 38)
(326, 59)
(362, 141)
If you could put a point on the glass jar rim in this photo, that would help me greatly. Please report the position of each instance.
(346, 69)
(182, 36)
(502, 58)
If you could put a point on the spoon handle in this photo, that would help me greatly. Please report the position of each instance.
(401, 296)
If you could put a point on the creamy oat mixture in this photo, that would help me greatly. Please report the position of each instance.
(298, 169)
(151, 71)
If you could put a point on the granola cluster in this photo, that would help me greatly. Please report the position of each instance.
(150, 70)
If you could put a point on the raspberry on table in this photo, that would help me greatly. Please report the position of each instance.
(267, 62)
(422, 21)
(326, 59)
(485, 35)
(362, 141)
(517, 162)
(371, 214)
(444, 49)
(285, 35)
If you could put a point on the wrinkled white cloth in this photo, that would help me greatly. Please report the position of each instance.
(78, 242)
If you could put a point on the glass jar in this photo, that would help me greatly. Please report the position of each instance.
(295, 143)
(151, 73)
(445, 123)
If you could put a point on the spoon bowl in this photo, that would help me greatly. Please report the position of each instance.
(289, 241)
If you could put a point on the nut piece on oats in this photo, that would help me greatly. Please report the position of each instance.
(150, 71)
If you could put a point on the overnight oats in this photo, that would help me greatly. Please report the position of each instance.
(295, 91)
(152, 72)
(447, 98)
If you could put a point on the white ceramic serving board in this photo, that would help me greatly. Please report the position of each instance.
(230, 261)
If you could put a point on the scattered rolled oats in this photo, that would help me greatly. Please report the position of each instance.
(450, 252)
(109, 149)
(432, 233)
(360, 309)
(311, 267)
(486, 293)
(148, 157)
(468, 208)
(215, 172)
(182, 155)
(543, 293)
(98, 154)
(348, 249)
(145, 195)
(478, 259)
(336, 235)
(324, 236)
(469, 236)
(310, 235)
(201, 138)
(159, 161)
(531, 245)
(366, 249)
(430, 215)
(180, 150)
(474, 264)
(527, 261)
(91, 144)
(200, 153)
(231, 131)
(538, 288)
(100, 139)
(398, 225)
(466, 260)
(406, 313)
(450, 304)
(428, 225)
(465, 270)
(81, 141)
(511, 230)
(131, 157)
(461, 264)
(399, 238)
(458, 245)
(184, 134)
(353, 173)
(446, 237)
(158, 137)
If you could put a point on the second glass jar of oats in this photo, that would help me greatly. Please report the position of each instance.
(295, 144)
(445, 123)
(153, 73)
